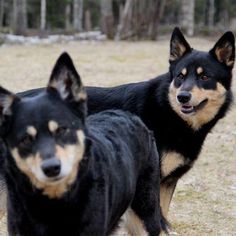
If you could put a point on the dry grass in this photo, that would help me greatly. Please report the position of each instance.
(205, 200)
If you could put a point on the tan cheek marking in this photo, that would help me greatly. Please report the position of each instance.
(52, 126)
(184, 71)
(27, 164)
(133, 223)
(31, 130)
(172, 96)
(170, 161)
(199, 70)
(216, 99)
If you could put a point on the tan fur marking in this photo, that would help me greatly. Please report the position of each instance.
(32, 164)
(170, 161)
(166, 193)
(215, 98)
(52, 126)
(133, 223)
(31, 130)
(199, 70)
(184, 71)
(230, 63)
(82, 96)
(27, 165)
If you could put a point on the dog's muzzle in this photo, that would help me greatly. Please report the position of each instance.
(184, 98)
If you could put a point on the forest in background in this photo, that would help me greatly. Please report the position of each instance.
(118, 19)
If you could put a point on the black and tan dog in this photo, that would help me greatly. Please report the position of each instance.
(71, 175)
(181, 106)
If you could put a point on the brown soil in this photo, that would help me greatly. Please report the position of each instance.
(205, 200)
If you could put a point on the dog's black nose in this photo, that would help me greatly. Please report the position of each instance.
(51, 167)
(184, 97)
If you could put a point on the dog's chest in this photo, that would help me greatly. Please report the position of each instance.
(170, 161)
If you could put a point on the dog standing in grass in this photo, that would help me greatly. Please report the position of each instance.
(180, 107)
(67, 174)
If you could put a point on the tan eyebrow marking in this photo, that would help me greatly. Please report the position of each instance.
(184, 71)
(199, 70)
(52, 125)
(31, 130)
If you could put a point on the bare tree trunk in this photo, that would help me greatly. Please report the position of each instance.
(67, 16)
(158, 14)
(2, 10)
(209, 13)
(87, 23)
(8, 14)
(43, 15)
(123, 30)
(77, 14)
(107, 18)
(224, 13)
(187, 16)
(19, 16)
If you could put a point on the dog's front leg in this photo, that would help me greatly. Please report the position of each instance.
(166, 194)
(95, 217)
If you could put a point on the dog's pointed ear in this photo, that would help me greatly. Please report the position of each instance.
(224, 49)
(66, 80)
(6, 101)
(178, 45)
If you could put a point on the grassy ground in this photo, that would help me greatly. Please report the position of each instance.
(205, 199)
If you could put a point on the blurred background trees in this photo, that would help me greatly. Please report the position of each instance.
(118, 19)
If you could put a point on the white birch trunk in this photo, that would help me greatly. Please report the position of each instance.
(43, 15)
(19, 23)
(78, 14)
(187, 16)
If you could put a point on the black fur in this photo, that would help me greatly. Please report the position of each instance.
(149, 100)
(117, 171)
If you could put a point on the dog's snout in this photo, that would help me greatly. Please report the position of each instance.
(184, 97)
(51, 167)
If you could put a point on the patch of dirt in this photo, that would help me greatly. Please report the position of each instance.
(205, 199)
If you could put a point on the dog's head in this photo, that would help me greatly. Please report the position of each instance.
(45, 133)
(200, 80)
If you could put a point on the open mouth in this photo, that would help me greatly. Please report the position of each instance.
(188, 109)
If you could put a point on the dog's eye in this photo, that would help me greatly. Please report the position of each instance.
(180, 77)
(61, 131)
(204, 77)
(27, 140)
